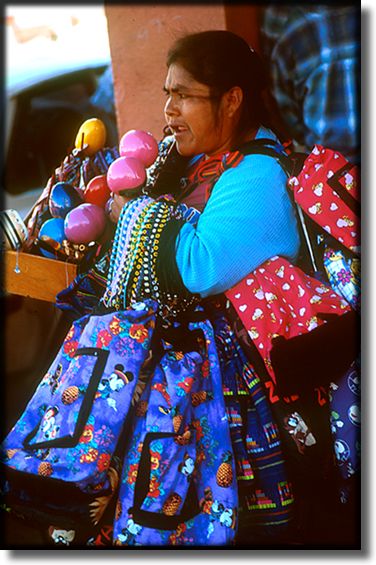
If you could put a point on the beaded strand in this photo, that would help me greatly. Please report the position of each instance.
(132, 273)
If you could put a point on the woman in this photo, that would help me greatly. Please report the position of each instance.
(234, 217)
(214, 105)
(214, 88)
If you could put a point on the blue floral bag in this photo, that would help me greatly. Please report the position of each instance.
(57, 459)
(178, 485)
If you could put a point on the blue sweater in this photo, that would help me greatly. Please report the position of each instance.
(248, 219)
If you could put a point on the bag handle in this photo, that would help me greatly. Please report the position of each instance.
(291, 165)
(84, 412)
(158, 520)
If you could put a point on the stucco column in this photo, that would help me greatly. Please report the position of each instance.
(140, 36)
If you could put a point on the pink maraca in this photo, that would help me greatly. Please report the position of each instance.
(125, 174)
(85, 223)
(140, 145)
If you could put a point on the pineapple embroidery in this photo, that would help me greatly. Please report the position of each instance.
(224, 474)
(45, 469)
(176, 419)
(200, 397)
(70, 395)
(171, 505)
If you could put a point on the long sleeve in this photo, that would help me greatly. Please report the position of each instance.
(314, 60)
(248, 219)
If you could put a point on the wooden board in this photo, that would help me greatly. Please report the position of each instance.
(38, 277)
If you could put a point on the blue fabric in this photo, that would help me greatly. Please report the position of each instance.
(248, 219)
(70, 427)
(266, 502)
(344, 275)
(345, 422)
(185, 435)
(314, 57)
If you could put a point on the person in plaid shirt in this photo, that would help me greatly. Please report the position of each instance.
(313, 53)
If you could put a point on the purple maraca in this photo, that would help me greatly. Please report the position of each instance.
(126, 174)
(85, 223)
(139, 144)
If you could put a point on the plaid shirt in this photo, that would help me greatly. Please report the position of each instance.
(314, 56)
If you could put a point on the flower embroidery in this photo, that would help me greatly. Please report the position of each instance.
(87, 434)
(103, 462)
(154, 491)
(115, 326)
(132, 473)
(90, 456)
(103, 338)
(155, 458)
(70, 348)
(138, 332)
(185, 385)
(344, 276)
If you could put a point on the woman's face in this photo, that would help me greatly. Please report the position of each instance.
(198, 121)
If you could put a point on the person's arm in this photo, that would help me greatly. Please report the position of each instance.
(248, 219)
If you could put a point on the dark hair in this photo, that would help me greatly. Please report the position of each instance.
(221, 60)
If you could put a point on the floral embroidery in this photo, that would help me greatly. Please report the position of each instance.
(138, 332)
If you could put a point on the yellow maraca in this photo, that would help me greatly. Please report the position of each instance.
(91, 136)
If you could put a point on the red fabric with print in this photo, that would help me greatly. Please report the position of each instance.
(279, 299)
(327, 190)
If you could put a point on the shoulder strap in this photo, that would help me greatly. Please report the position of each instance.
(291, 164)
(270, 147)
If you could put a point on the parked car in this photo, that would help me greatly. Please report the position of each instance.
(45, 107)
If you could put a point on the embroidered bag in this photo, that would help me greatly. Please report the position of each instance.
(326, 189)
(326, 194)
(57, 459)
(179, 485)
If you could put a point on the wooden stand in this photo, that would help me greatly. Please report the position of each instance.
(36, 277)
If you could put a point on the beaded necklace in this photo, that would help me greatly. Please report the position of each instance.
(132, 273)
(125, 226)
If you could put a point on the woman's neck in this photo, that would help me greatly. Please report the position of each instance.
(241, 140)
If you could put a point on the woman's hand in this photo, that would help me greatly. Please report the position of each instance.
(115, 206)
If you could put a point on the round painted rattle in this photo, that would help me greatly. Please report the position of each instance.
(127, 174)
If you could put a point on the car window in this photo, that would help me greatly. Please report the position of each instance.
(45, 123)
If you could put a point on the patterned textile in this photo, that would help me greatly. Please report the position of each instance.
(327, 189)
(344, 275)
(265, 493)
(277, 299)
(57, 459)
(314, 54)
(178, 485)
(345, 421)
(206, 171)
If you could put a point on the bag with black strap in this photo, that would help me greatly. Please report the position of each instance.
(324, 187)
(304, 323)
(133, 401)
(58, 464)
(304, 333)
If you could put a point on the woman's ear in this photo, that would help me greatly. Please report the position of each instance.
(233, 100)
